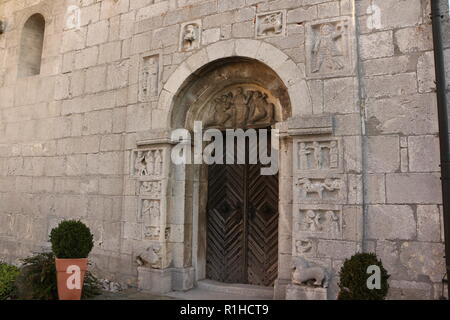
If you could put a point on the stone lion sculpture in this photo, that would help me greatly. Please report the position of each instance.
(303, 273)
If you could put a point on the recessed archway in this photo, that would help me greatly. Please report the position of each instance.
(186, 97)
(31, 46)
(291, 75)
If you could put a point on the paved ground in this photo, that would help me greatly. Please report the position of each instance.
(193, 294)
(205, 290)
(129, 294)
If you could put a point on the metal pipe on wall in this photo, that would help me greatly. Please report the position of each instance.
(437, 18)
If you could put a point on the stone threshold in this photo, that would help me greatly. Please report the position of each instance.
(214, 290)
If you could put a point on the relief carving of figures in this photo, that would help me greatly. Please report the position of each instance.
(334, 223)
(313, 221)
(325, 52)
(157, 166)
(240, 108)
(152, 188)
(148, 163)
(318, 187)
(318, 155)
(328, 48)
(150, 212)
(140, 165)
(222, 112)
(270, 24)
(320, 220)
(190, 36)
(149, 77)
(334, 154)
(240, 102)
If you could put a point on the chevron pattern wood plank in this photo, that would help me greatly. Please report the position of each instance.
(242, 224)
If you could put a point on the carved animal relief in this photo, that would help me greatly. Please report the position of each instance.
(320, 189)
(304, 246)
(270, 24)
(240, 108)
(151, 257)
(306, 273)
(149, 78)
(328, 48)
(190, 36)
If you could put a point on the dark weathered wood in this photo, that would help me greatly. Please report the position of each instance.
(242, 240)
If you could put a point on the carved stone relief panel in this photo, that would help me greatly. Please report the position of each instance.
(149, 75)
(304, 246)
(152, 256)
(320, 189)
(318, 221)
(148, 163)
(240, 107)
(315, 155)
(329, 48)
(150, 213)
(190, 35)
(270, 24)
(150, 189)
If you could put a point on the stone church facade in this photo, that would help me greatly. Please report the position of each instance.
(91, 90)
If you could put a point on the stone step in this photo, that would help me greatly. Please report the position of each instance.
(237, 289)
(213, 290)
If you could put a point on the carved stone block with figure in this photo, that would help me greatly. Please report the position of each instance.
(329, 48)
(270, 24)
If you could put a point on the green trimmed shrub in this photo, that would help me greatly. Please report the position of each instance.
(71, 239)
(353, 278)
(37, 279)
(8, 274)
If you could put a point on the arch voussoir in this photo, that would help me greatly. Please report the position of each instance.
(291, 74)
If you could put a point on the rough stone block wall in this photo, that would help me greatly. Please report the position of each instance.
(67, 135)
(402, 173)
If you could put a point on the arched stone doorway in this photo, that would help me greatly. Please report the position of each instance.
(178, 256)
(234, 233)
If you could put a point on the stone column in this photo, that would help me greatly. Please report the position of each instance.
(151, 166)
(319, 191)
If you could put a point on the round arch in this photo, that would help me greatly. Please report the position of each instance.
(290, 74)
(232, 63)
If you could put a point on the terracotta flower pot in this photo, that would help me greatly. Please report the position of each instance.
(70, 277)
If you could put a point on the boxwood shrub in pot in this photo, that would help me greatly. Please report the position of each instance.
(72, 241)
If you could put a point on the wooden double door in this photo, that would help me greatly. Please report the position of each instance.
(242, 223)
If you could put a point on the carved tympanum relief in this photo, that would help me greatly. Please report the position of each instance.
(190, 36)
(328, 48)
(239, 108)
(270, 24)
(149, 77)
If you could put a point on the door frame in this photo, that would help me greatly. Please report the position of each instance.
(199, 195)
